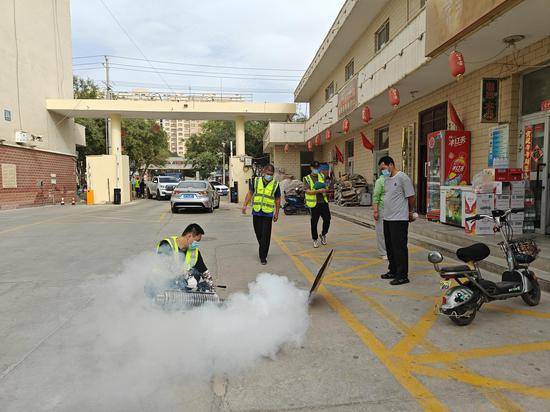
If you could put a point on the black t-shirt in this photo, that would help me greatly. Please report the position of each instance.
(166, 249)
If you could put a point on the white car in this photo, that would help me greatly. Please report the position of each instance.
(222, 189)
(161, 187)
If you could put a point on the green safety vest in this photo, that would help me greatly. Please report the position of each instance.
(311, 200)
(191, 256)
(136, 184)
(264, 196)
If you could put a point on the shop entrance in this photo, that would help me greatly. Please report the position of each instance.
(535, 145)
(430, 120)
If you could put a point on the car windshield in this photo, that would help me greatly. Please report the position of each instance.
(192, 185)
(168, 180)
(216, 183)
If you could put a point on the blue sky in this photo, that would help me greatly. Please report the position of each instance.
(248, 34)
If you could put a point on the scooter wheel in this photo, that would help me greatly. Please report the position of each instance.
(464, 319)
(532, 298)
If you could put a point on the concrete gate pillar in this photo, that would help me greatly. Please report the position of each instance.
(238, 172)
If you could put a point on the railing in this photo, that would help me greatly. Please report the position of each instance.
(182, 97)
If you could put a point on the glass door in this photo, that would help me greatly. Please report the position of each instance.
(534, 135)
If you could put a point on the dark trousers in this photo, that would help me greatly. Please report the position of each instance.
(262, 228)
(320, 210)
(395, 234)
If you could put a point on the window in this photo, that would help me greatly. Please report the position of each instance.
(535, 89)
(382, 141)
(349, 148)
(349, 72)
(329, 91)
(382, 35)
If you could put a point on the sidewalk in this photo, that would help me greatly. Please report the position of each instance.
(447, 239)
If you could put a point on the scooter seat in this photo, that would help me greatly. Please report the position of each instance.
(459, 268)
(474, 253)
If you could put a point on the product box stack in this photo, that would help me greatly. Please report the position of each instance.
(482, 204)
(512, 195)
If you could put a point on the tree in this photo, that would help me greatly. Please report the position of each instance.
(95, 128)
(211, 140)
(145, 143)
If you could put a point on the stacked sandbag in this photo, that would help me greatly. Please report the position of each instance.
(349, 189)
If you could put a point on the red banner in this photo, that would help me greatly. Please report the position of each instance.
(366, 142)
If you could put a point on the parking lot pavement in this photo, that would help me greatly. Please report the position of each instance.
(370, 346)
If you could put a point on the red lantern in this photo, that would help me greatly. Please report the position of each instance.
(286, 148)
(394, 97)
(309, 145)
(365, 114)
(456, 63)
(328, 135)
(345, 125)
(318, 140)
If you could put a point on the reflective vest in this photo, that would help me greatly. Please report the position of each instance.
(136, 184)
(264, 196)
(311, 200)
(191, 256)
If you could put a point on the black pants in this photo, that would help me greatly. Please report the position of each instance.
(320, 210)
(395, 234)
(262, 228)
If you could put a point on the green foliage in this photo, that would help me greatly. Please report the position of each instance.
(204, 150)
(145, 143)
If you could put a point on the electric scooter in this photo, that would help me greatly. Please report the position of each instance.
(295, 204)
(461, 303)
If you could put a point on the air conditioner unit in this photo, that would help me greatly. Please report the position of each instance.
(22, 137)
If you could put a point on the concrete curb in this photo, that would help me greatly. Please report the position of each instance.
(494, 266)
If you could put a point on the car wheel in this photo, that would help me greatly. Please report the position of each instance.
(158, 195)
(174, 209)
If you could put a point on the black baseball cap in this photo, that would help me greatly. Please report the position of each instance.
(315, 163)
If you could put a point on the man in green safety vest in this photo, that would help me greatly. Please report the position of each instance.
(265, 194)
(317, 202)
(185, 249)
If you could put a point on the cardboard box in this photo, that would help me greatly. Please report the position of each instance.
(517, 187)
(502, 202)
(485, 203)
(517, 228)
(517, 217)
(517, 201)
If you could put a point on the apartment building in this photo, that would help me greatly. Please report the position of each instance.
(179, 131)
(37, 148)
(405, 46)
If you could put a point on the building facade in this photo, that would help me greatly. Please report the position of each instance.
(178, 131)
(37, 148)
(406, 45)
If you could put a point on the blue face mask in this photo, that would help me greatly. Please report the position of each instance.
(194, 245)
(315, 171)
(268, 177)
(386, 172)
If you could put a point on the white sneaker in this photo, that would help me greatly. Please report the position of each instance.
(384, 257)
(323, 240)
(315, 243)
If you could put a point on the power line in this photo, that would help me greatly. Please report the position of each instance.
(198, 65)
(132, 40)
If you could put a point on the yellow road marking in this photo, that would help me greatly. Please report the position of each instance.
(420, 392)
(482, 352)
(524, 312)
(416, 333)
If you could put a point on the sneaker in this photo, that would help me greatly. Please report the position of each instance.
(384, 257)
(399, 281)
(315, 243)
(323, 239)
(388, 276)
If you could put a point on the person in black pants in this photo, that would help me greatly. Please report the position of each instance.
(266, 198)
(317, 202)
(398, 212)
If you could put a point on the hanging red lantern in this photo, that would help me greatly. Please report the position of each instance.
(318, 140)
(345, 125)
(456, 63)
(309, 145)
(365, 114)
(328, 135)
(394, 97)
(286, 148)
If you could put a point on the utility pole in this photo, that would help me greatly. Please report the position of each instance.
(223, 165)
(107, 97)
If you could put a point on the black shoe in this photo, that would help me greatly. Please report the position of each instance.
(399, 281)
(388, 276)
(263, 262)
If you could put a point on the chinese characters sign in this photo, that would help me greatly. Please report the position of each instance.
(527, 151)
(489, 100)
(347, 98)
(499, 142)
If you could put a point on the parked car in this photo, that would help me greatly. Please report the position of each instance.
(194, 194)
(161, 187)
(222, 189)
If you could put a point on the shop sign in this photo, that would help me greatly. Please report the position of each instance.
(489, 100)
(347, 98)
(499, 143)
(545, 105)
(527, 151)
(537, 153)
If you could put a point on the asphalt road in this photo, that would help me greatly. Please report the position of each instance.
(369, 346)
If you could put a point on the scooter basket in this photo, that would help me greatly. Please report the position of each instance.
(525, 250)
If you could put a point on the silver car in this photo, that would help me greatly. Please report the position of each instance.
(194, 194)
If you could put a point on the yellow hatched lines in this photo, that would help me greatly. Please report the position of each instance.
(398, 359)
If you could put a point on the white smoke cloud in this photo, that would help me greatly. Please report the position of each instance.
(138, 348)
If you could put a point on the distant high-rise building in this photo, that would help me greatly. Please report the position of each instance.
(179, 131)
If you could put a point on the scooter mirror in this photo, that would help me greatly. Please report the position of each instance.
(435, 257)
